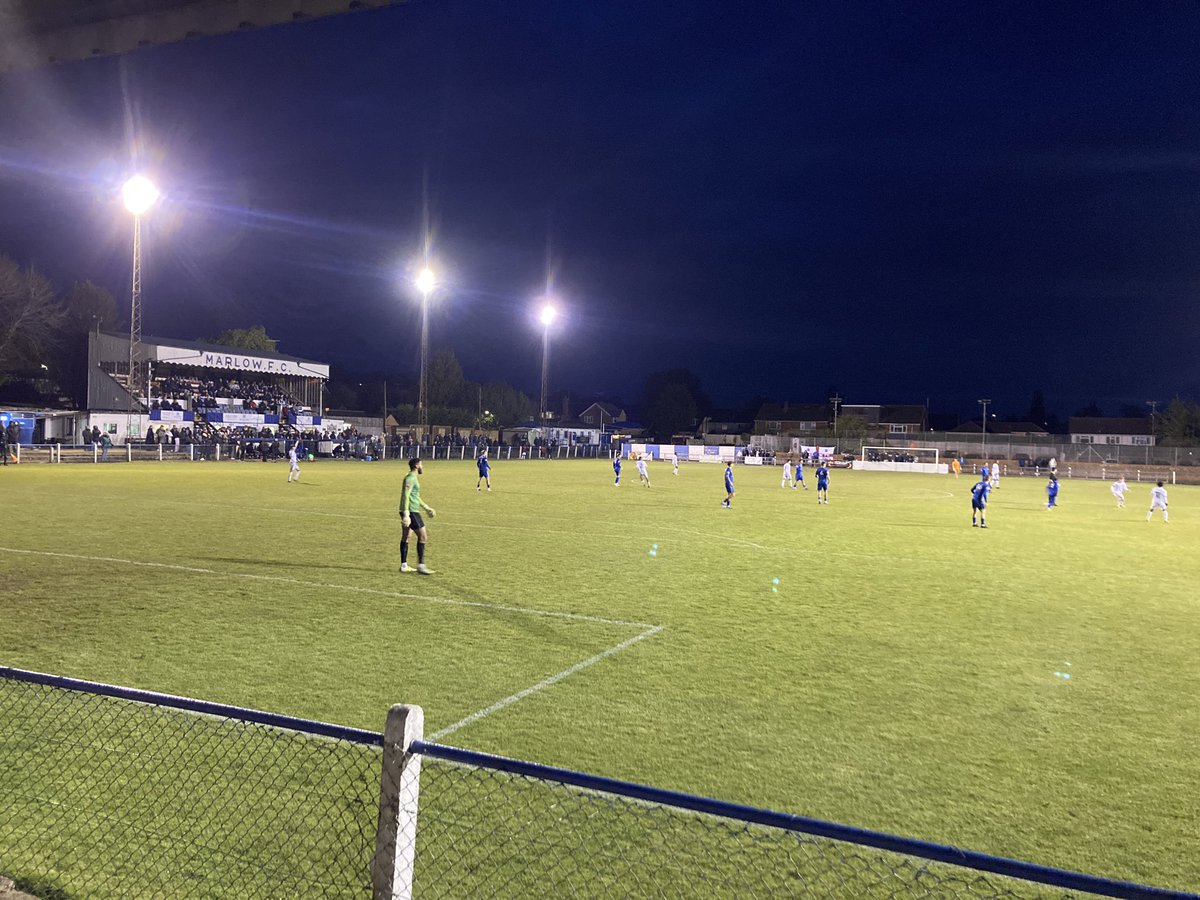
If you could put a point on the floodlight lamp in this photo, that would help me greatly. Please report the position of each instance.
(425, 280)
(139, 194)
(548, 314)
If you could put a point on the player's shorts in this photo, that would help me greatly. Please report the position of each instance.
(822, 485)
(979, 504)
(1154, 504)
(417, 523)
(484, 472)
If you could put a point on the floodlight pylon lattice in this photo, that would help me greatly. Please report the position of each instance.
(135, 381)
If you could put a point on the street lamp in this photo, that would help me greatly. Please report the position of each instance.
(983, 440)
(138, 194)
(546, 316)
(426, 282)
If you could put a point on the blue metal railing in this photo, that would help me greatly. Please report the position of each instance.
(171, 701)
(942, 853)
(954, 856)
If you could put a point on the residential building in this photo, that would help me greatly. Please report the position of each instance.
(1136, 432)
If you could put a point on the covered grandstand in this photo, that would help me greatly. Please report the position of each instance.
(206, 386)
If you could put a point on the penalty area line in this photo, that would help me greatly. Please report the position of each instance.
(544, 683)
(646, 629)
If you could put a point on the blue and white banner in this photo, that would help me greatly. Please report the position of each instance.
(24, 422)
(710, 453)
(232, 418)
(172, 415)
(303, 421)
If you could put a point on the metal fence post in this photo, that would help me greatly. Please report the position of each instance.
(399, 789)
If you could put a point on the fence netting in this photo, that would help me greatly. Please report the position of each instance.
(102, 797)
(488, 833)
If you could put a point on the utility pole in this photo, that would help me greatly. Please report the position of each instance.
(983, 442)
(836, 400)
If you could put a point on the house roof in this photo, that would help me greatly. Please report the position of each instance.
(901, 413)
(794, 412)
(999, 428)
(1109, 425)
(610, 409)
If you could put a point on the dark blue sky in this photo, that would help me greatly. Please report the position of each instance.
(907, 201)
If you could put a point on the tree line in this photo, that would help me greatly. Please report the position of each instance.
(43, 359)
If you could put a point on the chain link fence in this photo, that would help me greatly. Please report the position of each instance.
(108, 797)
(109, 792)
(489, 834)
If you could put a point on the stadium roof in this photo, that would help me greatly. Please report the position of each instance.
(202, 355)
(41, 32)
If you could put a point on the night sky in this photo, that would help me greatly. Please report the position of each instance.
(906, 201)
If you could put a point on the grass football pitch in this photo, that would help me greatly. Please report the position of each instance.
(876, 661)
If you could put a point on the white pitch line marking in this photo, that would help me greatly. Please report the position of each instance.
(648, 630)
(544, 683)
(448, 601)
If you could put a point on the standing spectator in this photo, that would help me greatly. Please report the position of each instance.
(96, 434)
(14, 442)
(4, 444)
(105, 443)
(150, 434)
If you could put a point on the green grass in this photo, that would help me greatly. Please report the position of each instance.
(901, 679)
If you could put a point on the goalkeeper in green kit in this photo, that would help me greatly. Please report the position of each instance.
(411, 506)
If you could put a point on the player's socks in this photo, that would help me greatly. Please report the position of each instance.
(404, 553)
(420, 553)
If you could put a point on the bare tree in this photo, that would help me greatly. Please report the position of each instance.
(30, 317)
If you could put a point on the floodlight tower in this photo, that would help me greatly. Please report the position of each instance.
(546, 316)
(138, 194)
(426, 282)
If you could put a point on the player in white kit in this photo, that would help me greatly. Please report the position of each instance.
(1119, 487)
(643, 475)
(1158, 500)
(294, 460)
(786, 481)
